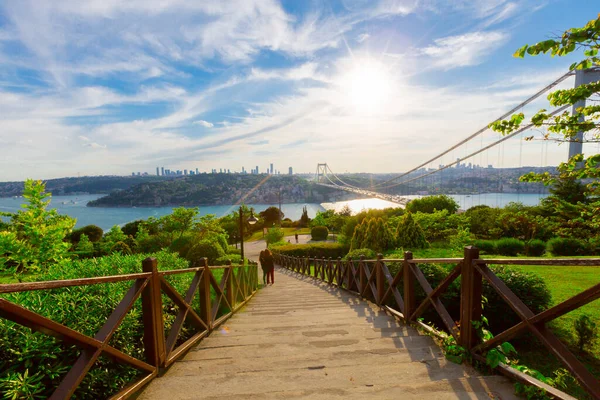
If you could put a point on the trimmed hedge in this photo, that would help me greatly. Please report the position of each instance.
(234, 258)
(566, 247)
(535, 248)
(509, 246)
(486, 246)
(333, 250)
(319, 233)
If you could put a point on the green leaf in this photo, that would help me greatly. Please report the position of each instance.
(508, 348)
(520, 53)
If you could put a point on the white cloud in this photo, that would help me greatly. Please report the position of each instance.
(464, 50)
(203, 123)
(362, 37)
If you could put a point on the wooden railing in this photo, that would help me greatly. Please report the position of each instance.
(236, 287)
(371, 279)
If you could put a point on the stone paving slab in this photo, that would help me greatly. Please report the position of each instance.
(302, 339)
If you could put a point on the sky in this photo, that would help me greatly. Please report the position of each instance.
(108, 87)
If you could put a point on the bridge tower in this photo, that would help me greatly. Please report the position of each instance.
(321, 172)
(582, 77)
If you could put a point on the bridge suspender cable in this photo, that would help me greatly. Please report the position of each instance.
(479, 132)
(476, 152)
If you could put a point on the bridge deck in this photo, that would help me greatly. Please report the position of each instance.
(304, 339)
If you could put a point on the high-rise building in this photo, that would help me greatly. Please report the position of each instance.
(162, 171)
(133, 174)
(291, 171)
(185, 171)
(271, 169)
(157, 171)
(256, 170)
(197, 171)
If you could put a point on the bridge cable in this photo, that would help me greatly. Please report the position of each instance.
(478, 151)
(482, 130)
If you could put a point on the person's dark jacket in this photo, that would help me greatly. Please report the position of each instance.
(267, 262)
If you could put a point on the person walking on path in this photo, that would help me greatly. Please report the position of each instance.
(268, 264)
(296, 238)
(261, 259)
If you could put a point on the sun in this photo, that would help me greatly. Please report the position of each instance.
(367, 85)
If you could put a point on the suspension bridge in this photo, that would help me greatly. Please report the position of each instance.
(482, 162)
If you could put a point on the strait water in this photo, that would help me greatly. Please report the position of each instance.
(75, 206)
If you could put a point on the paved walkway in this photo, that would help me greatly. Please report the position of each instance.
(303, 339)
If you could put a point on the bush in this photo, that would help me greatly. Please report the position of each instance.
(373, 233)
(121, 248)
(409, 234)
(566, 247)
(333, 250)
(183, 244)
(85, 309)
(274, 235)
(355, 254)
(234, 258)
(431, 204)
(93, 232)
(233, 250)
(319, 233)
(207, 249)
(535, 248)
(486, 246)
(509, 246)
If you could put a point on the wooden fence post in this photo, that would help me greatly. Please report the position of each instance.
(339, 277)
(379, 279)
(409, 286)
(154, 332)
(362, 274)
(204, 288)
(229, 293)
(470, 299)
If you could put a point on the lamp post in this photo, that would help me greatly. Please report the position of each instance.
(252, 220)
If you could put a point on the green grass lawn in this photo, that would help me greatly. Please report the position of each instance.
(258, 235)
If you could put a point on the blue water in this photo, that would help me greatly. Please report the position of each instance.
(105, 218)
(75, 206)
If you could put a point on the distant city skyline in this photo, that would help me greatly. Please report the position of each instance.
(110, 87)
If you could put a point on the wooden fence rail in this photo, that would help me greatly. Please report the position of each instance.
(237, 285)
(371, 279)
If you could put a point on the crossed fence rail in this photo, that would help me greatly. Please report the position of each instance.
(371, 279)
(237, 285)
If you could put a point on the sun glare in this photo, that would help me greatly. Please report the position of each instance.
(367, 85)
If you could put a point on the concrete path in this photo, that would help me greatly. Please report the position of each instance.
(303, 339)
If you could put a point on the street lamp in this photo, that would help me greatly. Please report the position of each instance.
(252, 220)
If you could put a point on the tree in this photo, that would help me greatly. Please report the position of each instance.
(274, 235)
(430, 204)
(374, 234)
(409, 234)
(112, 237)
(569, 189)
(35, 237)
(565, 126)
(304, 219)
(85, 247)
(271, 215)
(346, 211)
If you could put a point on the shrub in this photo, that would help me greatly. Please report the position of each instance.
(482, 221)
(486, 246)
(509, 246)
(355, 254)
(46, 359)
(182, 245)
(535, 248)
(319, 233)
(431, 204)
(586, 330)
(234, 258)
(121, 248)
(566, 247)
(333, 250)
(207, 249)
(373, 233)
(233, 250)
(274, 235)
(409, 234)
(93, 232)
